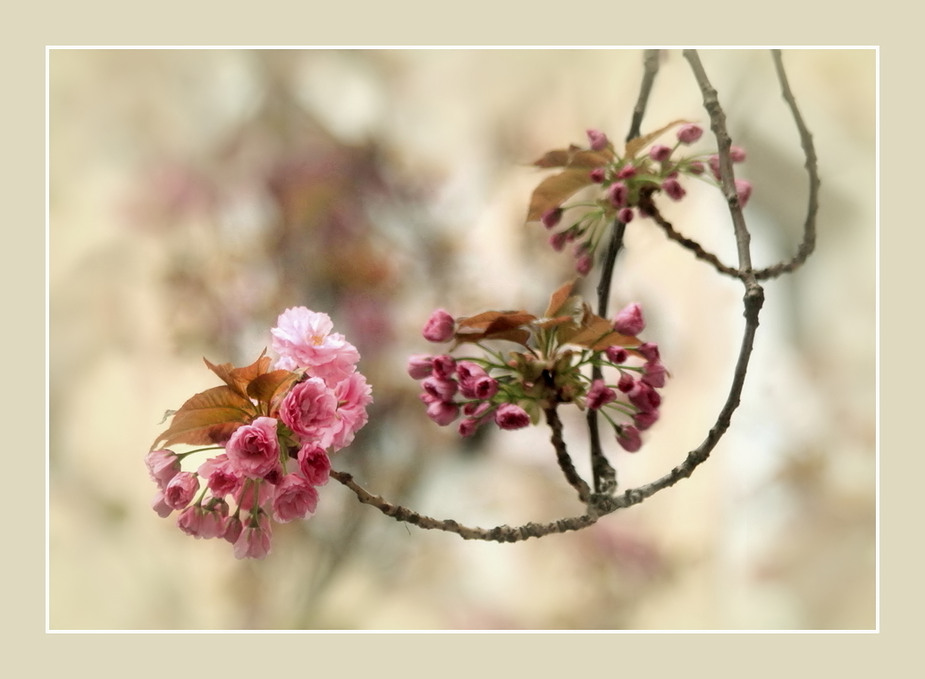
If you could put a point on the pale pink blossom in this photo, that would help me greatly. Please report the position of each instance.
(181, 489)
(200, 522)
(295, 498)
(352, 395)
(629, 320)
(440, 327)
(310, 411)
(511, 416)
(255, 493)
(162, 466)
(314, 464)
(303, 339)
(253, 449)
(222, 476)
(443, 389)
(468, 426)
(233, 529)
(159, 505)
(444, 366)
(254, 540)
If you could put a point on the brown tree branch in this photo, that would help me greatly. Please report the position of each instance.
(562, 456)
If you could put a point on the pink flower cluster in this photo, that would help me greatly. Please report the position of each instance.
(271, 466)
(625, 181)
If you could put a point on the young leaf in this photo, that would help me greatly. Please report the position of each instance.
(271, 387)
(559, 298)
(239, 378)
(555, 190)
(575, 156)
(634, 146)
(503, 325)
(208, 417)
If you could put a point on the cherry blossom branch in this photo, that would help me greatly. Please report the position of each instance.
(562, 456)
(600, 504)
(605, 476)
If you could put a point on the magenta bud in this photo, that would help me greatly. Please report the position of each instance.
(597, 139)
(645, 420)
(673, 188)
(618, 193)
(626, 383)
(616, 355)
(629, 320)
(689, 133)
(599, 395)
(598, 175)
(551, 217)
(660, 153)
(511, 416)
(584, 263)
(695, 167)
(626, 172)
(629, 439)
(737, 154)
(626, 214)
(654, 374)
(442, 412)
(420, 365)
(444, 366)
(743, 190)
(559, 240)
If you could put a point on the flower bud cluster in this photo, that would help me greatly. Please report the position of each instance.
(511, 391)
(626, 183)
(270, 467)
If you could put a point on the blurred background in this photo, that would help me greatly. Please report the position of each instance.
(195, 194)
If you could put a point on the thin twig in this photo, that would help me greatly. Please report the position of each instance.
(562, 456)
(605, 476)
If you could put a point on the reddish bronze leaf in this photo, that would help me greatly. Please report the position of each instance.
(596, 333)
(497, 325)
(239, 378)
(634, 146)
(559, 298)
(271, 387)
(555, 190)
(208, 417)
(575, 156)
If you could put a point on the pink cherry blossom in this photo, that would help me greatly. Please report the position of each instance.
(629, 439)
(222, 476)
(440, 327)
(159, 505)
(660, 153)
(180, 490)
(254, 540)
(233, 529)
(441, 412)
(303, 339)
(597, 140)
(314, 464)
(200, 522)
(599, 395)
(253, 449)
(673, 188)
(511, 416)
(443, 389)
(654, 374)
(629, 321)
(420, 365)
(162, 465)
(352, 396)
(310, 411)
(689, 133)
(295, 499)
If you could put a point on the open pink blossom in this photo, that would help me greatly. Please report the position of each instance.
(159, 505)
(253, 449)
(352, 396)
(295, 499)
(303, 339)
(162, 465)
(309, 410)
(223, 478)
(314, 464)
(254, 540)
(201, 522)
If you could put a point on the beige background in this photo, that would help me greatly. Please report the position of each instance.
(163, 249)
(510, 24)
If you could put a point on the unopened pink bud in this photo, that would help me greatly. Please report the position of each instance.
(440, 327)
(695, 167)
(616, 355)
(629, 320)
(559, 240)
(737, 154)
(420, 365)
(442, 412)
(468, 426)
(584, 263)
(618, 193)
(551, 217)
(440, 388)
(598, 175)
(626, 215)
(645, 420)
(673, 188)
(626, 383)
(654, 374)
(233, 528)
(629, 439)
(626, 172)
(444, 366)
(649, 350)
(743, 190)
(180, 490)
(689, 133)
(644, 397)
(660, 153)
(511, 416)
(597, 139)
